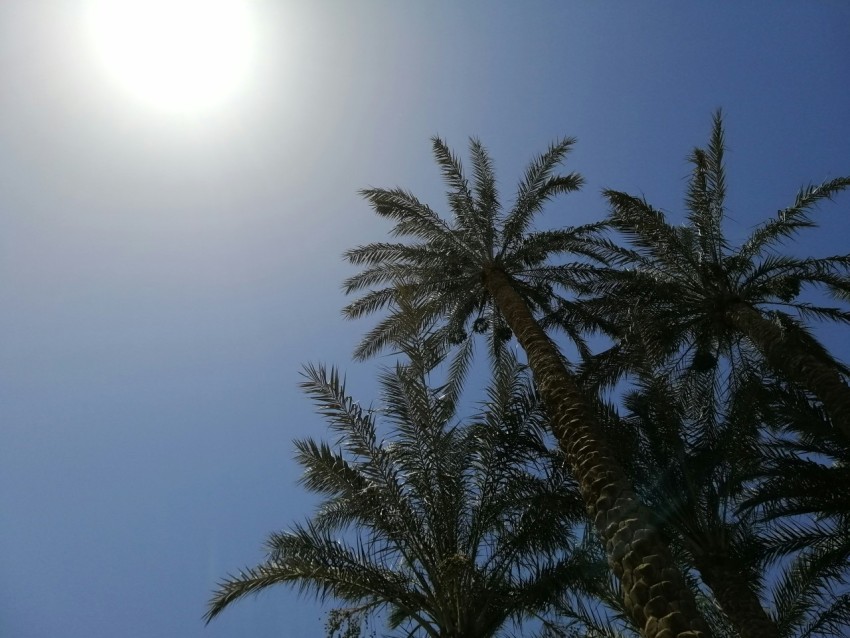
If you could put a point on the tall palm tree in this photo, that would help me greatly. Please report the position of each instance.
(685, 289)
(452, 530)
(485, 268)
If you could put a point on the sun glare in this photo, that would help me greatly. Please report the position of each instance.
(175, 55)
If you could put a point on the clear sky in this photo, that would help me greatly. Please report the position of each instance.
(164, 272)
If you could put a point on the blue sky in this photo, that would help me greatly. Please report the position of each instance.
(163, 277)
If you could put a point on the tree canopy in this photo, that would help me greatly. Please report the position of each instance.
(700, 481)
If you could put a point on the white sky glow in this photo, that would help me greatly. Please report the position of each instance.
(175, 55)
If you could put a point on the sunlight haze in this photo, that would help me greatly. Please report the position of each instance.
(175, 55)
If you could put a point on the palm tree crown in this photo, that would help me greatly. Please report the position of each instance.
(444, 525)
(443, 270)
(683, 291)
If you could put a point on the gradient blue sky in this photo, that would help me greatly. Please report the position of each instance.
(162, 278)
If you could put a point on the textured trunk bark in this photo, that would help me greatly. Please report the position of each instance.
(799, 366)
(737, 599)
(655, 594)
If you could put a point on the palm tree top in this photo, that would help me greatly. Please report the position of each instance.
(441, 263)
(440, 523)
(691, 275)
(699, 259)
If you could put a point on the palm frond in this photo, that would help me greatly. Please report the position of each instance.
(459, 196)
(318, 564)
(536, 188)
(792, 219)
(487, 205)
(806, 599)
(411, 217)
(643, 224)
(707, 192)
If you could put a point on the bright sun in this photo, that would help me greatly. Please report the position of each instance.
(176, 55)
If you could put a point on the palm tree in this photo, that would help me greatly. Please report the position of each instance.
(683, 290)
(739, 486)
(693, 459)
(451, 530)
(483, 269)
(739, 483)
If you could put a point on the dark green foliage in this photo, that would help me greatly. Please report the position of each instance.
(439, 265)
(675, 287)
(468, 527)
(442, 525)
(742, 457)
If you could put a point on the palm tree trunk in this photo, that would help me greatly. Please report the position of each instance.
(737, 598)
(655, 594)
(799, 366)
